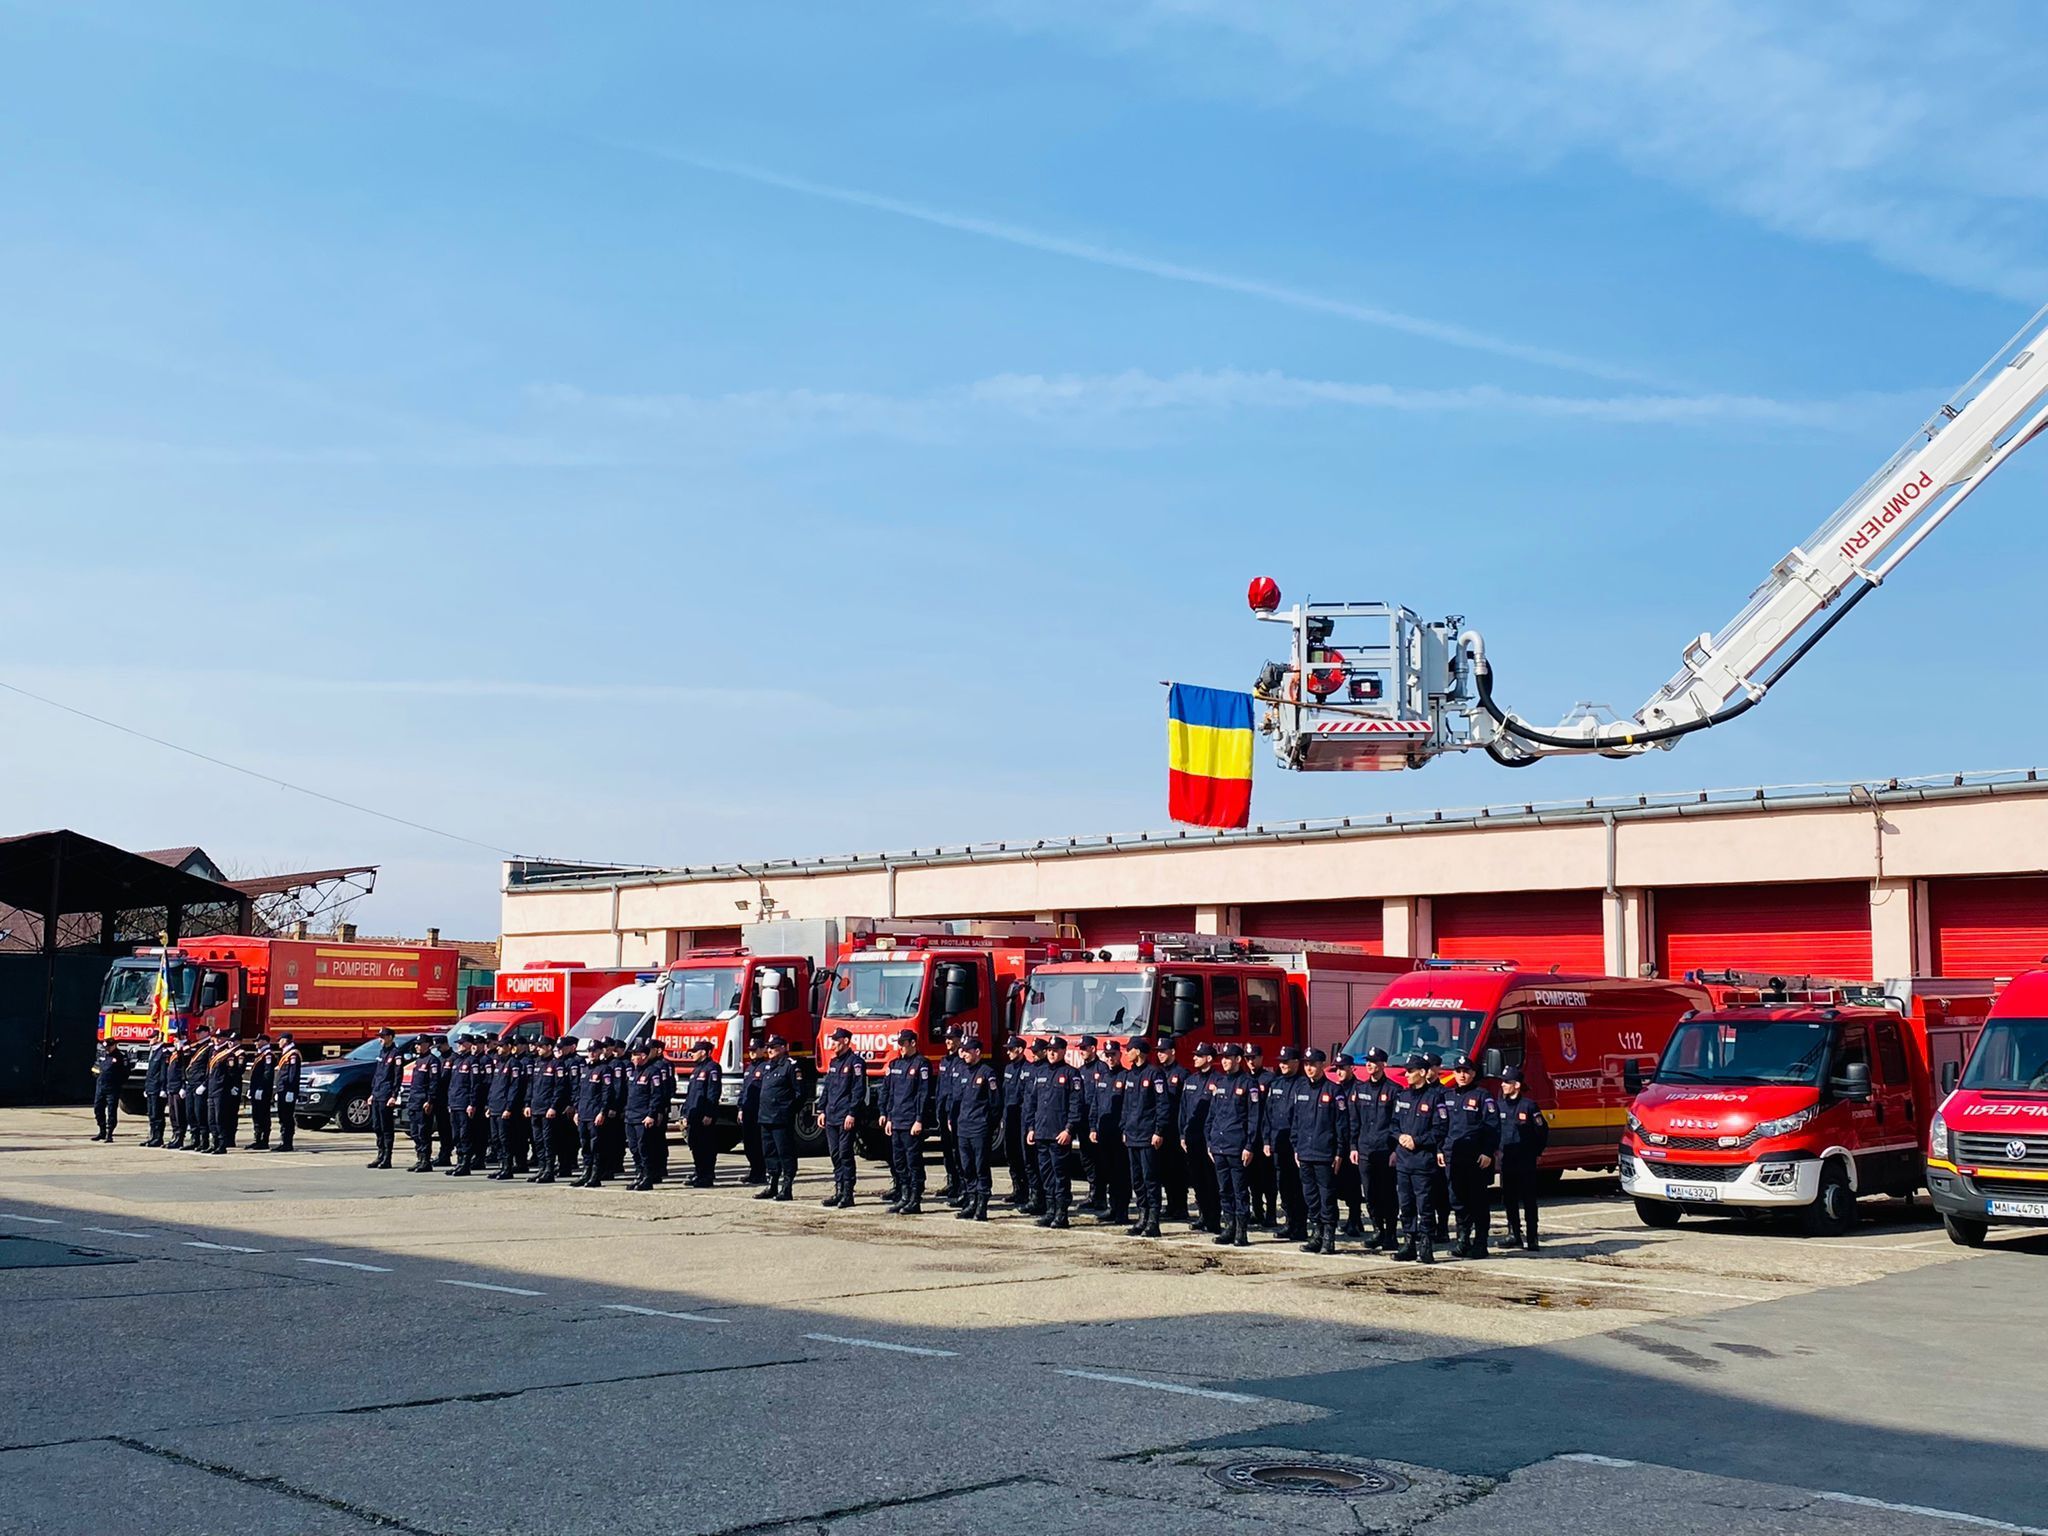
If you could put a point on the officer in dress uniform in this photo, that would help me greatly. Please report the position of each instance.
(1471, 1142)
(700, 1115)
(1276, 1139)
(977, 1112)
(1016, 1075)
(176, 1058)
(1108, 1090)
(386, 1088)
(750, 1112)
(1262, 1177)
(1416, 1134)
(1083, 1057)
(1234, 1113)
(618, 1069)
(840, 1102)
(1036, 1077)
(444, 1121)
(569, 1058)
(1524, 1133)
(1057, 1113)
(593, 1116)
(427, 1069)
(109, 1072)
(781, 1085)
(945, 1102)
(643, 1089)
(1148, 1126)
(1194, 1138)
(468, 1086)
(153, 1089)
(906, 1100)
(224, 1068)
(546, 1082)
(1171, 1163)
(196, 1115)
(262, 1093)
(1440, 1187)
(1371, 1157)
(1319, 1118)
(284, 1082)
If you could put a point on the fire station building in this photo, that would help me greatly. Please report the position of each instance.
(1943, 876)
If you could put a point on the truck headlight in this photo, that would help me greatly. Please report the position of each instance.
(1787, 1125)
(1633, 1123)
(1937, 1138)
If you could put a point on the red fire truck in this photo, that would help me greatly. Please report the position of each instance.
(1196, 987)
(541, 999)
(329, 994)
(1574, 1037)
(771, 983)
(1796, 1095)
(1987, 1145)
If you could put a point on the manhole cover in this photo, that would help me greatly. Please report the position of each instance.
(1313, 1479)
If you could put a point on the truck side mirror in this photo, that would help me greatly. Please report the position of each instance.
(1490, 1062)
(1854, 1083)
(213, 991)
(1951, 1074)
(956, 990)
(1632, 1075)
(1187, 1004)
(768, 998)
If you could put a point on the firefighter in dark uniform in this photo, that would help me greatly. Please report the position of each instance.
(1276, 1140)
(468, 1085)
(751, 1144)
(1262, 1177)
(284, 1083)
(945, 1102)
(1148, 1126)
(840, 1102)
(1194, 1138)
(1416, 1134)
(153, 1088)
(262, 1093)
(593, 1117)
(444, 1122)
(1017, 1066)
(385, 1091)
(643, 1086)
(547, 1100)
(906, 1100)
(700, 1115)
(1524, 1133)
(195, 1091)
(418, 1096)
(176, 1060)
(665, 1078)
(1471, 1143)
(617, 1069)
(977, 1113)
(501, 1090)
(1036, 1076)
(1440, 1189)
(109, 1072)
(569, 1056)
(1319, 1124)
(1371, 1157)
(1108, 1088)
(1058, 1111)
(224, 1091)
(1085, 1059)
(1171, 1165)
(1234, 1113)
(781, 1085)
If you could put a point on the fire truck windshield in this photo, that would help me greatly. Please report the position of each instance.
(870, 989)
(1401, 1032)
(1782, 1052)
(700, 994)
(131, 987)
(1097, 1001)
(2011, 1057)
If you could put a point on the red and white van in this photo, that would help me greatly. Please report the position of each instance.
(1987, 1145)
(1798, 1101)
(1574, 1037)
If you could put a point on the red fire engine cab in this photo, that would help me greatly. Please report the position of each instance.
(1987, 1145)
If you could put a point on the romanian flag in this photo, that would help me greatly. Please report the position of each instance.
(1208, 756)
(160, 1010)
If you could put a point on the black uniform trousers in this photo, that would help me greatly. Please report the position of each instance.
(475, 1130)
(176, 1104)
(703, 1141)
(1113, 1166)
(1233, 1187)
(1518, 1191)
(972, 1149)
(1172, 1166)
(158, 1106)
(1354, 1182)
(1142, 1169)
(563, 1142)
(1316, 1187)
(590, 1136)
(839, 1143)
(1416, 1188)
(1054, 1182)
(444, 1128)
(778, 1149)
(756, 1149)
(259, 1121)
(906, 1162)
(1440, 1199)
(1262, 1181)
(1382, 1197)
(540, 1142)
(1202, 1179)
(384, 1122)
(419, 1125)
(224, 1106)
(106, 1108)
(1471, 1192)
(1287, 1176)
(1023, 1166)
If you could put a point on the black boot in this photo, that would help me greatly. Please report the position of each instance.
(898, 1195)
(1354, 1227)
(1530, 1237)
(788, 1187)
(968, 1206)
(981, 1206)
(770, 1189)
(1151, 1228)
(1241, 1237)
(1059, 1222)
(1405, 1254)
(845, 1200)
(1226, 1232)
(1329, 1240)
(1425, 1252)
(1315, 1240)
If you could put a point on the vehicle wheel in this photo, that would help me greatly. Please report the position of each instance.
(1965, 1232)
(810, 1136)
(312, 1123)
(355, 1112)
(1833, 1210)
(1656, 1213)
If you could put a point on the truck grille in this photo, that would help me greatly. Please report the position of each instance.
(1983, 1147)
(2030, 1189)
(1703, 1143)
(1697, 1173)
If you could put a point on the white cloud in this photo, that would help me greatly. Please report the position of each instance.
(1916, 135)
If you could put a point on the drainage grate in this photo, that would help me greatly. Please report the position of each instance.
(1312, 1479)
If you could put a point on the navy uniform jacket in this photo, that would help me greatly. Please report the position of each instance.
(977, 1101)
(1372, 1116)
(906, 1090)
(1016, 1078)
(1524, 1130)
(947, 1086)
(110, 1067)
(846, 1088)
(750, 1091)
(1414, 1114)
(420, 1089)
(780, 1085)
(464, 1084)
(153, 1073)
(174, 1070)
(643, 1090)
(1107, 1086)
(385, 1075)
(443, 1076)
(615, 1075)
(1058, 1105)
(700, 1100)
(1233, 1111)
(552, 1088)
(593, 1091)
(1148, 1106)
(1317, 1119)
(262, 1073)
(285, 1080)
(501, 1092)
(224, 1070)
(1194, 1105)
(1277, 1101)
(1471, 1125)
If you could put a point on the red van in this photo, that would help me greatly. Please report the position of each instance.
(1987, 1145)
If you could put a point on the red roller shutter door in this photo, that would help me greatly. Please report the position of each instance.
(1122, 925)
(1807, 930)
(1342, 922)
(1988, 927)
(1532, 928)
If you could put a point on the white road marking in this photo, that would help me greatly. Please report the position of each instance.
(1861, 1501)
(220, 1247)
(368, 1269)
(504, 1290)
(681, 1317)
(894, 1349)
(1166, 1386)
(41, 1221)
(117, 1232)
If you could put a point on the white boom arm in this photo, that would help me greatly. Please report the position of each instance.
(1426, 688)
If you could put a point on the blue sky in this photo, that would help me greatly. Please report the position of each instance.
(677, 433)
